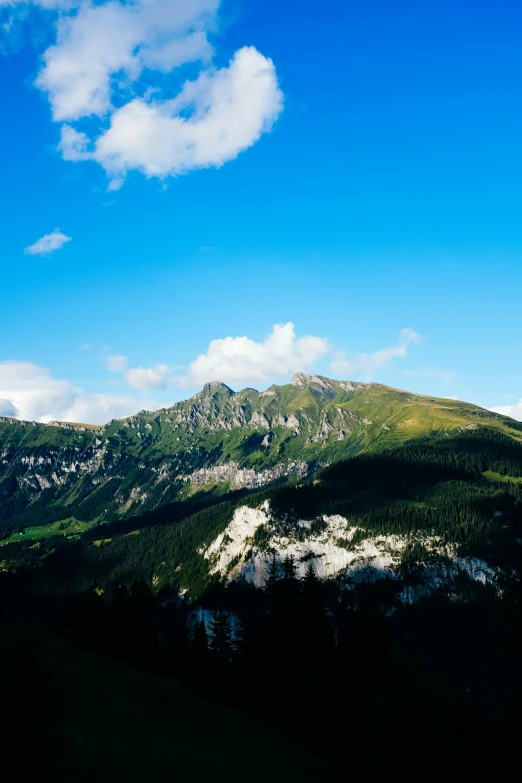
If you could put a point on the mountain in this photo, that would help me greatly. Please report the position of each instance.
(361, 479)
(84, 475)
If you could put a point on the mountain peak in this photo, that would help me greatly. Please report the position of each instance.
(217, 386)
(300, 379)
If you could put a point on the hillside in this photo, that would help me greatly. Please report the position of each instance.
(69, 477)
(89, 718)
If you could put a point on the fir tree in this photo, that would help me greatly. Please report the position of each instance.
(221, 638)
(289, 567)
(273, 572)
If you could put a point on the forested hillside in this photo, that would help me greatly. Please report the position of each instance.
(439, 496)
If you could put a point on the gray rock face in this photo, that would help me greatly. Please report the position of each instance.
(335, 553)
(244, 478)
(300, 380)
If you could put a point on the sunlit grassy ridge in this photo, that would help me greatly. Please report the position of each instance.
(412, 416)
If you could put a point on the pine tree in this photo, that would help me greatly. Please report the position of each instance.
(221, 638)
(273, 572)
(290, 586)
(289, 567)
(311, 583)
(273, 584)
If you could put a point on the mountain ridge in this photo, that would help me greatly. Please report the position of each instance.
(299, 380)
(243, 439)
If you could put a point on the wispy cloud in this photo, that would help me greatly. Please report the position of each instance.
(48, 244)
(116, 363)
(364, 365)
(445, 378)
(149, 377)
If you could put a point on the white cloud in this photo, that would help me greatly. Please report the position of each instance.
(229, 110)
(7, 408)
(446, 378)
(364, 365)
(47, 244)
(514, 411)
(31, 393)
(106, 46)
(149, 377)
(116, 363)
(116, 62)
(101, 408)
(74, 145)
(240, 360)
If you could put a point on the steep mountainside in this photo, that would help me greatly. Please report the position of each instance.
(80, 475)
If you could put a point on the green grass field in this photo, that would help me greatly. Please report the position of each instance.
(63, 527)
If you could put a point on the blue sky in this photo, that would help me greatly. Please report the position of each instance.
(353, 169)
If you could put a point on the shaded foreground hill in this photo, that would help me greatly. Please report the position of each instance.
(76, 716)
